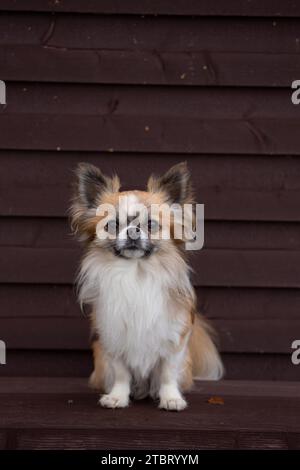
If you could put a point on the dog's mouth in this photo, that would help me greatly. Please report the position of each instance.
(133, 250)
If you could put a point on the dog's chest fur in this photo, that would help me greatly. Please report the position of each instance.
(136, 316)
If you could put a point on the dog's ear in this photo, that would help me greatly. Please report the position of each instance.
(90, 184)
(176, 184)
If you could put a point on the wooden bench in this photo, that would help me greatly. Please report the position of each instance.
(52, 413)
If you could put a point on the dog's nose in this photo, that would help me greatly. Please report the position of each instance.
(133, 233)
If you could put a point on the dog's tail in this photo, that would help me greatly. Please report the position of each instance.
(206, 362)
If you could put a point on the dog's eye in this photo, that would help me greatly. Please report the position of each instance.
(153, 225)
(112, 226)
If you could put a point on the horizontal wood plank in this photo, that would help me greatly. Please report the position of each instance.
(173, 135)
(128, 439)
(267, 8)
(54, 232)
(61, 418)
(150, 33)
(50, 363)
(147, 68)
(195, 103)
(73, 411)
(3, 440)
(235, 336)
(40, 301)
(78, 385)
(249, 268)
(149, 120)
(243, 304)
(149, 50)
(237, 187)
(46, 440)
(67, 363)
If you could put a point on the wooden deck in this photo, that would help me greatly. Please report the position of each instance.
(52, 413)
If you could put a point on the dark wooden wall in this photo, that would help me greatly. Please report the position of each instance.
(136, 87)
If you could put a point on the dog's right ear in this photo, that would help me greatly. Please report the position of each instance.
(90, 184)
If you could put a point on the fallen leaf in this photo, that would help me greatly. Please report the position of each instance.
(216, 401)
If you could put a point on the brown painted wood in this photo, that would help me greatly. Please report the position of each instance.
(124, 134)
(150, 33)
(235, 336)
(259, 440)
(176, 103)
(247, 268)
(48, 363)
(272, 191)
(79, 385)
(132, 439)
(3, 440)
(148, 120)
(38, 301)
(37, 420)
(54, 232)
(58, 414)
(54, 363)
(275, 367)
(124, 439)
(234, 124)
(273, 268)
(46, 333)
(169, 7)
(145, 68)
(149, 50)
(243, 304)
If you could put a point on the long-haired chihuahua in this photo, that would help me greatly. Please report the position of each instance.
(148, 338)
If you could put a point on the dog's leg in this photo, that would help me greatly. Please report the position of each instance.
(118, 397)
(98, 376)
(170, 397)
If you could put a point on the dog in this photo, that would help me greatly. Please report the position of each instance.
(147, 336)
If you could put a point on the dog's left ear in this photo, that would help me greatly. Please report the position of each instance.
(89, 185)
(176, 184)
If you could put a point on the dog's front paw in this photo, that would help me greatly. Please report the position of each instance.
(114, 401)
(172, 404)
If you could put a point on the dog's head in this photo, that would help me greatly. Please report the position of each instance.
(129, 224)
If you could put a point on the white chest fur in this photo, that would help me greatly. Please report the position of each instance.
(135, 315)
(134, 319)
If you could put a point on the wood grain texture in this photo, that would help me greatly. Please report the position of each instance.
(69, 419)
(79, 363)
(55, 232)
(149, 119)
(247, 268)
(60, 414)
(145, 68)
(79, 385)
(150, 33)
(206, 8)
(225, 303)
(149, 50)
(207, 440)
(3, 440)
(234, 336)
(136, 87)
(257, 188)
